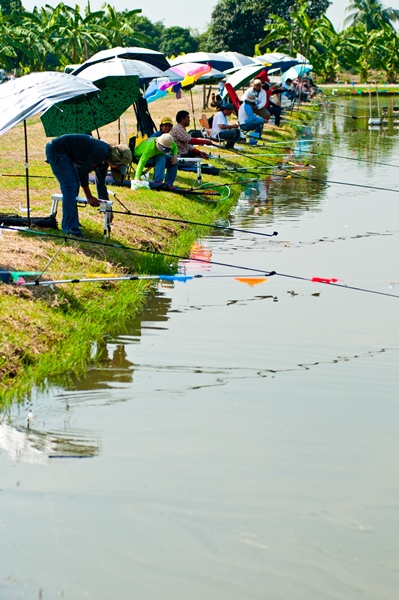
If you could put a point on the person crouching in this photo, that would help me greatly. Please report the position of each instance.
(160, 153)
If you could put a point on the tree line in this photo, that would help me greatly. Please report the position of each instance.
(52, 37)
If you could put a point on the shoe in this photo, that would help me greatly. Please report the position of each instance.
(76, 234)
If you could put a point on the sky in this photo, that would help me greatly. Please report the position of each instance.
(183, 13)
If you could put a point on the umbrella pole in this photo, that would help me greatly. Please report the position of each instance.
(27, 173)
(192, 108)
(125, 129)
(119, 130)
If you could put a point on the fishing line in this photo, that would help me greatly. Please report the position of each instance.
(244, 155)
(329, 181)
(372, 162)
(264, 273)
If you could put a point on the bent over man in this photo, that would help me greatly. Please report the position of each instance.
(71, 158)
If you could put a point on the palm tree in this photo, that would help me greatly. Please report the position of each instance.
(36, 31)
(370, 13)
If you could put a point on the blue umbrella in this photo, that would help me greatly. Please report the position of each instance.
(278, 60)
(215, 60)
(296, 71)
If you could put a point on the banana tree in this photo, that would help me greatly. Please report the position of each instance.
(7, 50)
(359, 47)
(315, 39)
(79, 36)
(119, 27)
(387, 57)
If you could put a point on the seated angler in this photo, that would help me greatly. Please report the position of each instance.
(71, 158)
(289, 89)
(155, 152)
(273, 108)
(165, 127)
(222, 130)
(246, 117)
(259, 107)
(184, 140)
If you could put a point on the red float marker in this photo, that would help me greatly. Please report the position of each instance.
(323, 280)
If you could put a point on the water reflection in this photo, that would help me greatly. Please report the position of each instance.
(25, 444)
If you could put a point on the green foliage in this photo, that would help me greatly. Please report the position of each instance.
(11, 7)
(238, 25)
(314, 38)
(387, 56)
(177, 40)
(152, 31)
(50, 38)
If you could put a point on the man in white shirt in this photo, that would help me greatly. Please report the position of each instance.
(261, 100)
(222, 130)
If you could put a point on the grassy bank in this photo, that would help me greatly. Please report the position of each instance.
(46, 332)
(348, 90)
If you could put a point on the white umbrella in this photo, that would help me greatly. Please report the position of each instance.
(152, 57)
(28, 95)
(243, 76)
(123, 66)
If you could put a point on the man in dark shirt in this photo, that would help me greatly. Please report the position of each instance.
(72, 158)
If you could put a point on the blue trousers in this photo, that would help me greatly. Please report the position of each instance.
(67, 175)
(162, 162)
(230, 135)
(252, 126)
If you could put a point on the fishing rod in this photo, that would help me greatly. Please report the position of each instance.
(30, 176)
(322, 280)
(208, 225)
(181, 278)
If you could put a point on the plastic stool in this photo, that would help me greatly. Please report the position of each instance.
(105, 207)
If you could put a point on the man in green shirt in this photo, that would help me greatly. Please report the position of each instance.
(161, 153)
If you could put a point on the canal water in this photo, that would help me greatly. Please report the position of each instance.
(239, 439)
